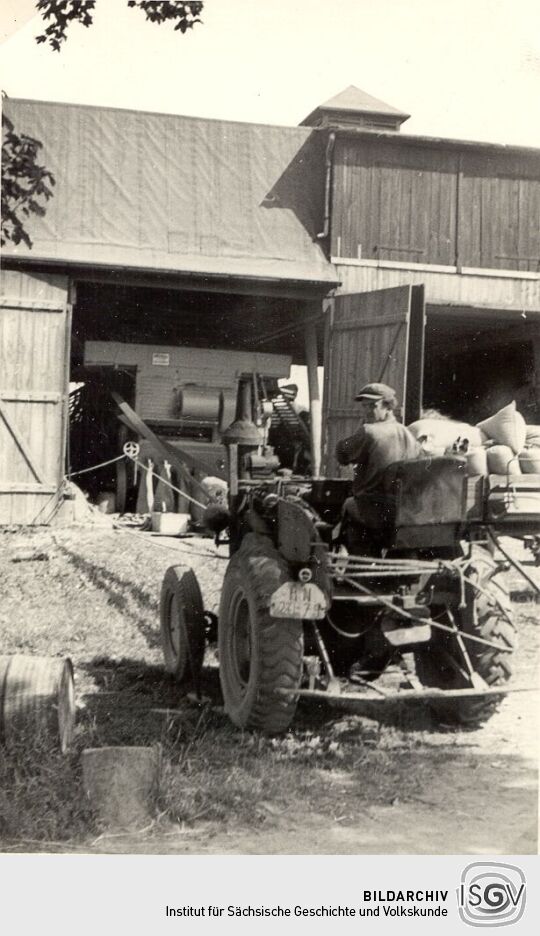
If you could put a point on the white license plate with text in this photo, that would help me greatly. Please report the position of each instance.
(298, 601)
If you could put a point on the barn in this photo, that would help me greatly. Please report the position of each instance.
(342, 242)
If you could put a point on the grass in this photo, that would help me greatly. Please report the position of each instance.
(41, 794)
(95, 599)
(209, 770)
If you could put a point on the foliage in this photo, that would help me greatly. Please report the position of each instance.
(186, 14)
(26, 185)
(60, 13)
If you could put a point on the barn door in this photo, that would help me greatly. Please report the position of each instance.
(34, 349)
(373, 336)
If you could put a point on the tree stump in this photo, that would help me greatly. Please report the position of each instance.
(121, 783)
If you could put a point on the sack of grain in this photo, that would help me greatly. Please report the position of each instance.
(507, 427)
(502, 460)
(529, 460)
(532, 435)
(477, 463)
(437, 435)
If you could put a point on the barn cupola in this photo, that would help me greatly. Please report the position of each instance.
(354, 108)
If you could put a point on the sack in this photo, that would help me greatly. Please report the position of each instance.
(507, 427)
(437, 435)
(502, 460)
(477, 463)
(529, 461)
(532, 436)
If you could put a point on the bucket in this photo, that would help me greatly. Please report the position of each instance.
(120, 783)
(37, 697)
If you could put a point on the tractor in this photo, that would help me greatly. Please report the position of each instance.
(317, 603)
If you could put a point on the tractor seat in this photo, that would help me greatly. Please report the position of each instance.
(420, 493)
(426, 491)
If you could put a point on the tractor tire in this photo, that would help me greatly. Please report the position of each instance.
(488, 615)
(183, 624)
(257, 653)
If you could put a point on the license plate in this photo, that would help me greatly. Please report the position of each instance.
(298, 601)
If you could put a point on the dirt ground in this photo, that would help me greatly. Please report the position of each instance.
(354, 782)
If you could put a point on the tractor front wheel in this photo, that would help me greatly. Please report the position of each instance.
(258, 654)
(182, 624)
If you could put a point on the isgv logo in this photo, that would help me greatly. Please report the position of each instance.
(491, 894)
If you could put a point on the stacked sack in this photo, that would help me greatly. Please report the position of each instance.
(506, 433)
(502, 444)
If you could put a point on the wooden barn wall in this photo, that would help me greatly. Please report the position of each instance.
(520, 292)
(34, 375)
(414, 204)
(499, 213)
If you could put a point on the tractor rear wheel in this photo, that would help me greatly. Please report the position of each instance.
(182, 624)
(258, 654)
(488, 615)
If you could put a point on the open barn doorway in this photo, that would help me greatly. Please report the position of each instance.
(476, 362)
(175, 356)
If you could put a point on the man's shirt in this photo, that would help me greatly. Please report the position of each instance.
(372, 449)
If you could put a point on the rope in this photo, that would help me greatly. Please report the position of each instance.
(73, 474)
(174, 548)
(164, 481)
(143, 467)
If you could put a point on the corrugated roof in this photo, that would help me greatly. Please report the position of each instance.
(182, 194)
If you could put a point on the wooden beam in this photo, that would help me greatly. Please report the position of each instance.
(314, 397)
(170, 453)
(171, 279)
(31, 396)
(19, 487)
(20, 442)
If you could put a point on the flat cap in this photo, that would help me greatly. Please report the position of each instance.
(377, 391)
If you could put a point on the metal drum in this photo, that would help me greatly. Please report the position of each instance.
(37, 698)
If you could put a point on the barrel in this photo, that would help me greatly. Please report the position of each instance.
(199, 403)
(37, 699)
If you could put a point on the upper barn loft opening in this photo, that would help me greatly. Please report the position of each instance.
(355, 108)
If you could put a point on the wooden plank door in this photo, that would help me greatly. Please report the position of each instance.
(373, 336)
(34, 388)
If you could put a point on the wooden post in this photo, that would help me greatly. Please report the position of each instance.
(314, 397)
(536, 375)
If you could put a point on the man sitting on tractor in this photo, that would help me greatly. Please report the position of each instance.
(379, 441)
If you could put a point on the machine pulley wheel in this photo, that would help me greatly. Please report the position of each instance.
(131, 448)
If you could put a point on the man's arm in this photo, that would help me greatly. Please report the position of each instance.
(351, 449)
